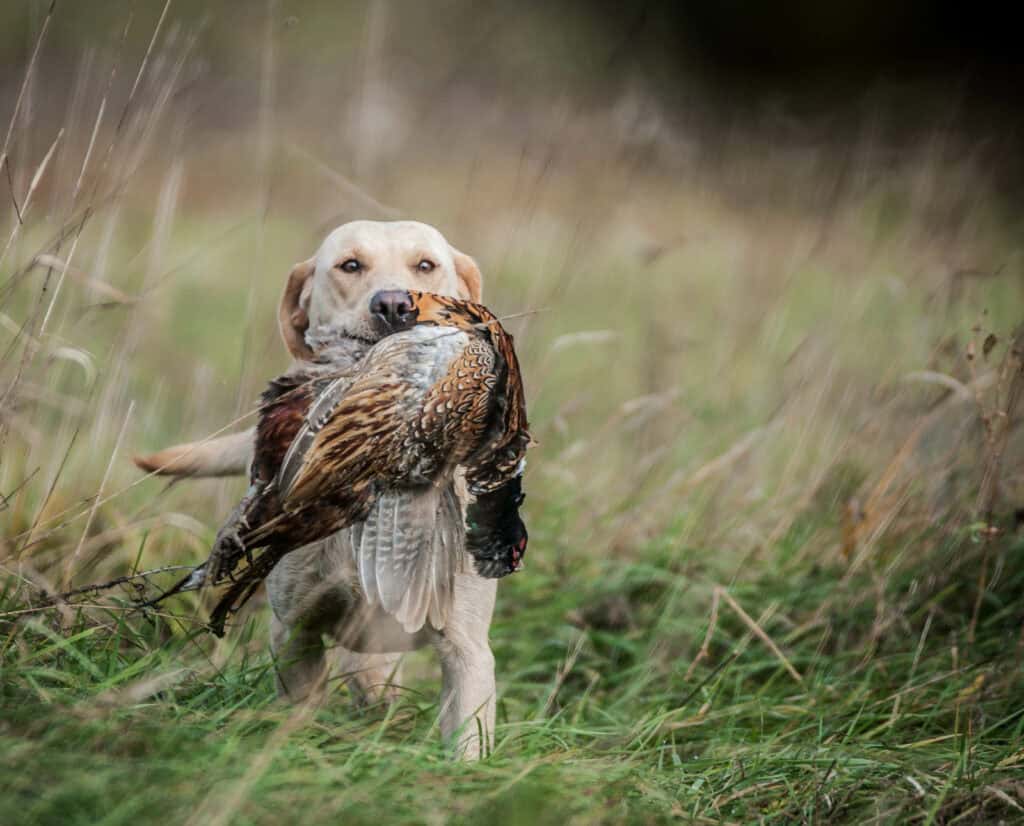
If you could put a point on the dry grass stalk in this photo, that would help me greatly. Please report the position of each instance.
(998, 422)
(99, 495)
(705, 646)
(760, 633)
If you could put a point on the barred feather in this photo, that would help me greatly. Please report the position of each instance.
(376, 450)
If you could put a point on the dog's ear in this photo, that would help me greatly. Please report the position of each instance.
(469, 276)
(292, 317)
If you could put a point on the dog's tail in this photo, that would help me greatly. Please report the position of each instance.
(228, 455)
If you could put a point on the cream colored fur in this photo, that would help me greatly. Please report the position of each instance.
(313, 592)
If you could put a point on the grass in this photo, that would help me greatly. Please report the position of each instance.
(758, 590)
(600, 719)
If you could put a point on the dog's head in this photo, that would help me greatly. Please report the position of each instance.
(332, 291)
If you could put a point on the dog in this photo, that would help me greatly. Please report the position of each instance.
(313, 592)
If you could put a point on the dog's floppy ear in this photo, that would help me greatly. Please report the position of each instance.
(469, 276)
(292, 317)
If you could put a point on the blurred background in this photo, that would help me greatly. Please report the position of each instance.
(768, 255)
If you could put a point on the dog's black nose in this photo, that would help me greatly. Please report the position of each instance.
(393, 309)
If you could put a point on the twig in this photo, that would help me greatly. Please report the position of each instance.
(49, 492)
(114, 294)
(33, 185)
(121, 580)
(63, 599)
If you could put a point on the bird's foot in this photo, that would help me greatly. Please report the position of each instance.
(496, 536)
(499, 553)
(227, 550)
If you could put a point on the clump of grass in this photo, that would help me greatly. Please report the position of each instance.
(895, 717)
(761, 586)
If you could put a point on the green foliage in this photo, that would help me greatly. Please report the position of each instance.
(757, 590)
(601, 717)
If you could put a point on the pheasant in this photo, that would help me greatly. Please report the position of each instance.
(376, 447)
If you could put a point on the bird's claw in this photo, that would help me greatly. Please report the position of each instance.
(494, 559)
(196, 579)
(225, 554)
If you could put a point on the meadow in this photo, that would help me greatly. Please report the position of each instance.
(776, 571)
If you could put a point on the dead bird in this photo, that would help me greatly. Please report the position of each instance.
(379, 445)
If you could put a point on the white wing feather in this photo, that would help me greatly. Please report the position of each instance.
(407, 552)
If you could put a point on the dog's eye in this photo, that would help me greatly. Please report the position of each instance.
(426, 265)
(350, 265)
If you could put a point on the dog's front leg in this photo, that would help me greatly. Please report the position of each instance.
(372, 678)
(468, 691)
(299, 661)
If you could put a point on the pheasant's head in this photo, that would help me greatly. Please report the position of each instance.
(396, 310)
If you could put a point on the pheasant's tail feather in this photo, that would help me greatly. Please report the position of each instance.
(407, 551)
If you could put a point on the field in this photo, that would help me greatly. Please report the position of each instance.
(776, 571)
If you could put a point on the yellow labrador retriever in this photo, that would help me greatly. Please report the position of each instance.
(313, 592)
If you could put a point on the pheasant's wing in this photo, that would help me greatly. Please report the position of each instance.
(320, 412)
(396, 437)
(407, 552)
(355, 449)
(448, 550)
(502, 457)
(497, 536)
(417, 408)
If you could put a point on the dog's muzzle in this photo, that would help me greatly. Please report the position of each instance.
(392, 310)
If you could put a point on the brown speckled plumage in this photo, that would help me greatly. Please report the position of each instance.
(378, 444)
